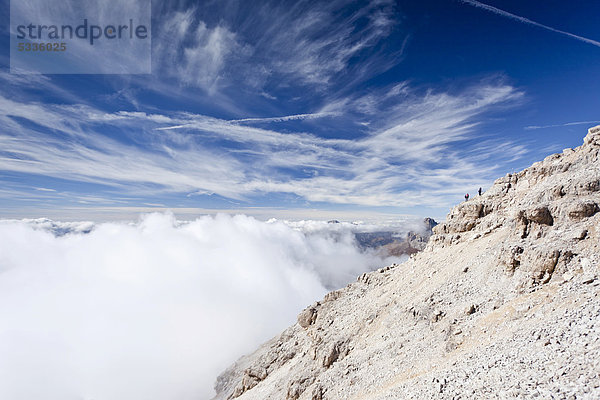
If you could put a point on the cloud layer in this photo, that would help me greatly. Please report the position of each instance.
(267, 44)
(283, 104)
(155, 309)
(404, 154)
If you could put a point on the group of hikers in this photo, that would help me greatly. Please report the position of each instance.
(467, 195)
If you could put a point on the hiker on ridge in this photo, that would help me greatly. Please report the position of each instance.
(467, 197)
(479, 191)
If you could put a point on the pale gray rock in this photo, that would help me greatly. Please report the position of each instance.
(503, 302)
(583, 209)
(307, 317)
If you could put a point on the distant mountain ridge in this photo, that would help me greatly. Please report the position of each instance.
(393, 244)
(504, 302)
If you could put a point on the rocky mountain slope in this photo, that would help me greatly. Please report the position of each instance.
(502, 303)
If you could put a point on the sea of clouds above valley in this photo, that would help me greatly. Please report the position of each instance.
(155, 309)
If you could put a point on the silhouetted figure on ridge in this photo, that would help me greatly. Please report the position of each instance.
(467, 197)
(479, 191)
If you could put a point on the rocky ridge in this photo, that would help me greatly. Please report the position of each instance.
(502, 303)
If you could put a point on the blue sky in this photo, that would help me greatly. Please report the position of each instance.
(304, 108)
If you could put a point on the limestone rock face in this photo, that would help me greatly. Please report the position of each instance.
(502, 303)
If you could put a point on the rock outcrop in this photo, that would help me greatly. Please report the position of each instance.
(502, 303)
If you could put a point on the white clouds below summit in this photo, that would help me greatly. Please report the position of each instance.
(155, 310)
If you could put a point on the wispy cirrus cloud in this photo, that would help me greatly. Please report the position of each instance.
(278, 43)
(406, 156)
(191, 52)
(315, 42)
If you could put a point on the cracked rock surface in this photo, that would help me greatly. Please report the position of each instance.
(502, 303)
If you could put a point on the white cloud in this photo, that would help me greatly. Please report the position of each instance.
(154, 310)
(406, 156)
(528, 21)
(315, 42)
(276, 45)
(193, 53)
(533, 127)
(285, 118)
